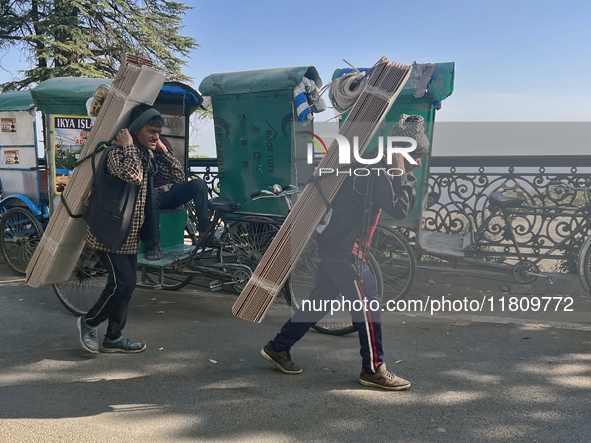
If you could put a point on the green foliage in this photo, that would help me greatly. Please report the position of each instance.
(65, 161)
(204, 114)
(196, 123)
(88, 38)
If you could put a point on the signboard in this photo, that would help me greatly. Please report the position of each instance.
(8, 124)
(69, 135)
(12, 157)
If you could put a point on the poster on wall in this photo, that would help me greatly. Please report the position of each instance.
(11, 157)
(69, 135)
(8, 124)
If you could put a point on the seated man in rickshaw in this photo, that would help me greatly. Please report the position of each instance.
(169, 195)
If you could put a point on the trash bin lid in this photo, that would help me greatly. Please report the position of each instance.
(440, 86)
(258, 81)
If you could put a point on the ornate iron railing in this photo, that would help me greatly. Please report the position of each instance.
(206, 169)
(554, 216)
(458, 202)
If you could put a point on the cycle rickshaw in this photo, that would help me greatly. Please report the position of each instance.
(24, 206)
(243, 236)
(257, 146)
(32, 186)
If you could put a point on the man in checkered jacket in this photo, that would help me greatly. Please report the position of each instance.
(127, 177)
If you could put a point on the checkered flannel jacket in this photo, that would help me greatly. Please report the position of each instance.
(131, 165)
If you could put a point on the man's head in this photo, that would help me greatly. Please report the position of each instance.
(412, 126)
(145, 125)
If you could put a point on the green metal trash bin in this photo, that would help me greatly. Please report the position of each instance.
(254, 132)
(420, 96)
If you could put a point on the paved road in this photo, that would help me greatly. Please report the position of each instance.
(477, 377)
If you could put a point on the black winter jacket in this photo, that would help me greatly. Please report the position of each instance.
(395, 195)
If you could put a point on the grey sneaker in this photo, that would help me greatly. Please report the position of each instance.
(125, 345)
(383, 379)
(281, 360)
(88, 336)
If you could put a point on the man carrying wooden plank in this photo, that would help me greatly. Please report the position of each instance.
(116, 213)
(341, 245)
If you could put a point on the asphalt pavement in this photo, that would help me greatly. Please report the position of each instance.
(486, 375)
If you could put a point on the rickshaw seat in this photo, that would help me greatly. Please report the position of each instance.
(43, 180)
(504, 201)
(223, 204)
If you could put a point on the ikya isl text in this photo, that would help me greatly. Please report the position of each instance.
(392, 147)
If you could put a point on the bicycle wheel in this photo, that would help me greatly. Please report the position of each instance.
(191, 224)
(302, 282)
(85, 285)
(585, 265)
(246, 241)
(250, 239)
(21, 233)
(396, 260)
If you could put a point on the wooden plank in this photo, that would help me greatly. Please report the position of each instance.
(383, 87)
(63, 240)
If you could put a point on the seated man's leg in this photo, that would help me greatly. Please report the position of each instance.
(180, 194)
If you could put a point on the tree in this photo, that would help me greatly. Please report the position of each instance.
(196, 122)
(88, 38)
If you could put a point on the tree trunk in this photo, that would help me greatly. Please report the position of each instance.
(39, 46)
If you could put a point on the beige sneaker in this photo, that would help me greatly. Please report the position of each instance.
(383, 379)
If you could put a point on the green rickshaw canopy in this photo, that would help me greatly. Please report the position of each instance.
(66, 95)
(16, 101)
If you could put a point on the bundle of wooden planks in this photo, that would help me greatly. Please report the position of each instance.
(383, 86)
(63, 240)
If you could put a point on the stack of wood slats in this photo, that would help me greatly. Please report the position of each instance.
(63, 240)
(384, 85)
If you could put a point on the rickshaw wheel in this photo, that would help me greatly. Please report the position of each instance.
(247, 241)
(83, 289)
(250, 240)
(303, 277)
(21, 233)
(241, 278)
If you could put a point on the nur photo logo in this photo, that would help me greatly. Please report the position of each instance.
(391, 147)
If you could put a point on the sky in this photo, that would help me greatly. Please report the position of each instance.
(515, 60)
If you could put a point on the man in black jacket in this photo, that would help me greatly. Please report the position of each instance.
(355, 212)
(130, 163)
